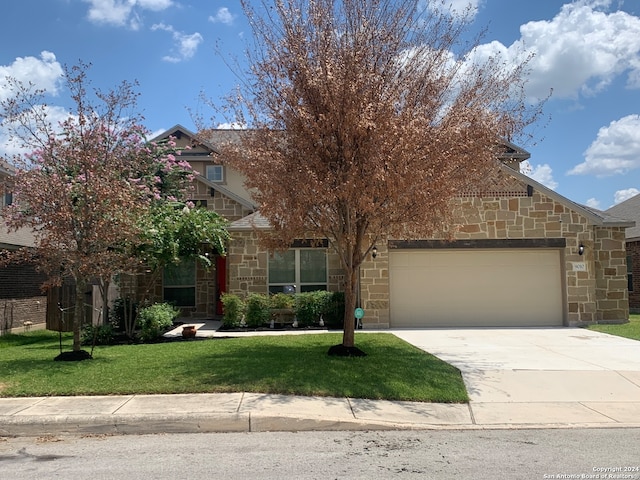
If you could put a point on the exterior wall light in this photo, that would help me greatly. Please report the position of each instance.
(581, 249)
(374, 252)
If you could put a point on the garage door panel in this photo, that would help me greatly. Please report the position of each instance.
(441, 288)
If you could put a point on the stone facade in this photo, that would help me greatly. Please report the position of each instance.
(594, 283)
(248, 265)
(502, 210)
(219, 203)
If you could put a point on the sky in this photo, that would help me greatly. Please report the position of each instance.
(587, 52)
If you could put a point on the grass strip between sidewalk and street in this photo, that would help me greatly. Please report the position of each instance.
(628, 330)
(284, 364)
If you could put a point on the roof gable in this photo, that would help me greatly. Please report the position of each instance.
(629, 210)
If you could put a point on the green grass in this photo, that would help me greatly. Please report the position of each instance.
(286, 364)
(628, 330)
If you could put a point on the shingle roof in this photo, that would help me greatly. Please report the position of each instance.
(630, 210)
(250, 222)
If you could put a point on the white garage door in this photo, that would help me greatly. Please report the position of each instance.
(475, 288)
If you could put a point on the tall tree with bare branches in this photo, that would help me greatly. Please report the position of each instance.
(366, 119)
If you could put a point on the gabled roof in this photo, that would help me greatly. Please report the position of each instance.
(596, 217)
(178, 131)
(250, 222)
(227, 193)
(630, 210)
(513, 152)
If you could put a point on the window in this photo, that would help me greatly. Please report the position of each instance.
(298, 270)
(215, 173)
(630, 273)
(179, 284)
(7, 199)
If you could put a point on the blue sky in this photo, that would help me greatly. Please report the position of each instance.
(588, 51)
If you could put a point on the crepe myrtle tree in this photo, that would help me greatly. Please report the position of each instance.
(170, 232)
(366, 119)
(85, 182)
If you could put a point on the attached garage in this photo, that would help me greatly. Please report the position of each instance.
(453, 287)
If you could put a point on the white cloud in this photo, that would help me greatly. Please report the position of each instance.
(186, 45)
(456, 7)
(231, 126)
(593, 203)
(11, 146)
(616, 149)
(543, 174)
(223, 15)
(622, 195)
(580, 51)
(44, 73)
(123, 12)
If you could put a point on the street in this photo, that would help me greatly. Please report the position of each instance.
(444, 454)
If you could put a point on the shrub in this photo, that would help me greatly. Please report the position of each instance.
(308, 307)
(233, 307)
(282, 300)
(103, 334)
(257, 310)
(117, 313)
(155, 320)
(333, 310)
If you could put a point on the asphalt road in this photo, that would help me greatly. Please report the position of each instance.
(511, 454)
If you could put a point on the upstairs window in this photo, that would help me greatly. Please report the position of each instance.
(215, 173)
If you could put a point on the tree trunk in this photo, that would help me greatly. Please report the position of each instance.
(78, 317)
(350, 297)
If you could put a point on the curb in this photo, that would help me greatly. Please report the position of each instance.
(131, 424)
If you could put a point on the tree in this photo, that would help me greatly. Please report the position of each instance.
(86, 182)
(171, 231)
(378, 113)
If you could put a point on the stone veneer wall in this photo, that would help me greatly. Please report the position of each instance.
(597, 293)
(595, 283)
(221, 204)
(633, 250)
(248, 263)
(611, 275)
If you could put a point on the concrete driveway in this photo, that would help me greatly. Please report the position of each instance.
(524, 374)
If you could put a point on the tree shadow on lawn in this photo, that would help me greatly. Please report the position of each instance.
(41, 339)
(389, 371)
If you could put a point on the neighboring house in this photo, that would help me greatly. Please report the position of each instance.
(523, 256)
(22, 302)
(630, 209)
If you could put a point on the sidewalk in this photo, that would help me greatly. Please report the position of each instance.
(249, 412)
(536, 378)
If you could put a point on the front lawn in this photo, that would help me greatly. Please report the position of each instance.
(628, 330)
(286, 364)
